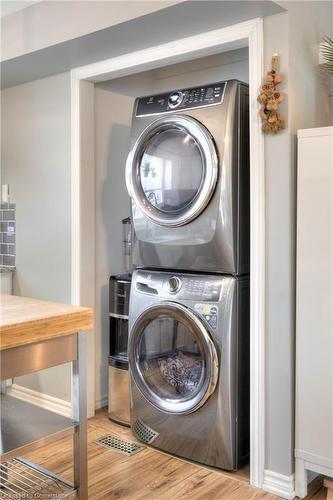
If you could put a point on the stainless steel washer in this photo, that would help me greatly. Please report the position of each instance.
(189, 365)
(188, 176)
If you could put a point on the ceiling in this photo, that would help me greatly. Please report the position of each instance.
(10, 6)
(163, 26)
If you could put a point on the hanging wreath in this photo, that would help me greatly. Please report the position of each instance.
(270, 99)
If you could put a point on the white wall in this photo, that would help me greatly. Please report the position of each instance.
(35, 162)
(113, 114)
(51, 22)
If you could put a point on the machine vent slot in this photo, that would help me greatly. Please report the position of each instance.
(143, 432)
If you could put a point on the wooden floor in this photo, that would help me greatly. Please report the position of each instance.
(150, 474)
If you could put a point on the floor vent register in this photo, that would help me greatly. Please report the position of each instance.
(120, 445)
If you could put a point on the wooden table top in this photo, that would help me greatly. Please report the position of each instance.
(25, 321)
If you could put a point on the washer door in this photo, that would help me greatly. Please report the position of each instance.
(172, 358)
(171, 172)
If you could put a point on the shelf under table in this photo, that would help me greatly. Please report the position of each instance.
(20, 479)
(25, 427)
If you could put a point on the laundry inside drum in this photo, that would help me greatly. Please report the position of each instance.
(171, 360)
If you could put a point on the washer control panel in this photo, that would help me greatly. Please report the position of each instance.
(181, 99)
(195, 288)
(200, 289)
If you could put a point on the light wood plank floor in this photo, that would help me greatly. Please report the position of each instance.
(148, 475)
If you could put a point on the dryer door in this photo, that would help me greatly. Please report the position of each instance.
(172, 358)
(171, 172)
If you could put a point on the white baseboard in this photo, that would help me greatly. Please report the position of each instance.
(101, 403)
(279, 484)
(43, 400)
(48, 402)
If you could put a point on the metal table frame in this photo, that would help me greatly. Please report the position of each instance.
(40, 355)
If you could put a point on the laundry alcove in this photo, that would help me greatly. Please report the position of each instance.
(114, 101)
(102, 103)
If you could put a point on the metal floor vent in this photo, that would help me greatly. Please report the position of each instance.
(117, 444)
(20, 479)
(143, 432)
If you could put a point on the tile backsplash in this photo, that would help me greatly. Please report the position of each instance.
(7, 234)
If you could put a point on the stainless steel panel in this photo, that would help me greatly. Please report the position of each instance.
(119, 291)
(79, 408)
(25, 426)
(119, 395)
(38, 356)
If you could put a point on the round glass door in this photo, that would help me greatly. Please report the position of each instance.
(172, 170)
(173, 359)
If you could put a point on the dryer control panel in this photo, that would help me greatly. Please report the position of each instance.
(181, 287)
(195, 97)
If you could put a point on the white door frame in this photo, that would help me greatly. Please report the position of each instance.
(249, 33)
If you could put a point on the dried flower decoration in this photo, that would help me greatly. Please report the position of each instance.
(270, 98)
(326, 49)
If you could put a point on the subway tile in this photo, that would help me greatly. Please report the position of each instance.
(8, 215)
(3, 249)
(8, 260)
(7, 227)
(7, 238)
(10, 227)
(7, 206)
(11, 249)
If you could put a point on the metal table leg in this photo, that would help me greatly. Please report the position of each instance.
(79, 405)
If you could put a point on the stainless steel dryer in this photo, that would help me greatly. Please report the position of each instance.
(189, 365)
(188, 176)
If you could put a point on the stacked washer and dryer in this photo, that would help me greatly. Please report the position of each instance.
(188, 176)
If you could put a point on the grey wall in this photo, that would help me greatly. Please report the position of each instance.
(112, 119)
(295, 35)
(280, 198)
(35, 161)
(113, 113)
(48, 23)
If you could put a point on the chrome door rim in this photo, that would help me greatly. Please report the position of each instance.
(179, 312)
(208, 151)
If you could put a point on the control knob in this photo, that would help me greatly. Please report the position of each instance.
(174, 284)
(175, 99)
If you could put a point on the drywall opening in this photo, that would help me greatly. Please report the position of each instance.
(114, 101)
